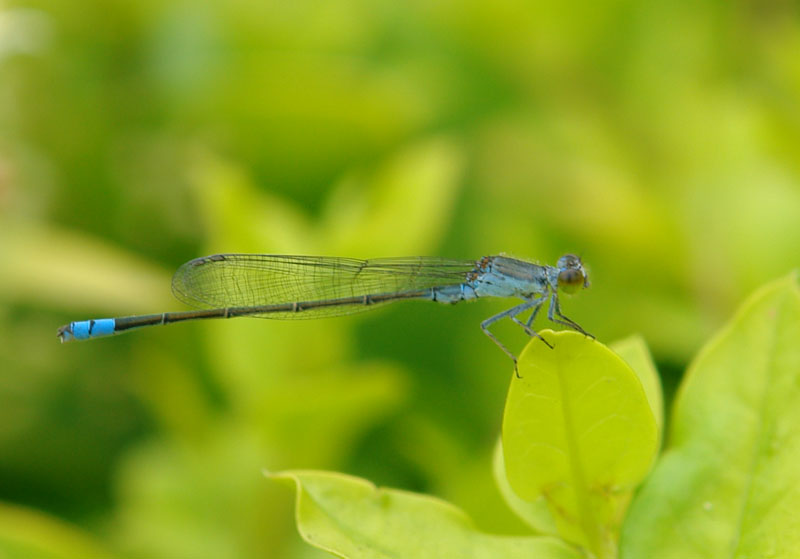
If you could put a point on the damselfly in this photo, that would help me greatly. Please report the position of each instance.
(288, 287)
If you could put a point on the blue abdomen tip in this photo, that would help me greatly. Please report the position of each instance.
(85, 329)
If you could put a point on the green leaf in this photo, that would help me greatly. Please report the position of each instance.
(352, 518)
(727, 486)
(578, 431)
(635, 353)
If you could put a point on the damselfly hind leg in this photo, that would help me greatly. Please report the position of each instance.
(512, 313)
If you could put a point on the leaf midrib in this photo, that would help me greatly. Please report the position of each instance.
(588, 521)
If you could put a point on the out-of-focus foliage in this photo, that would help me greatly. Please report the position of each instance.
(25, 533)
(659, 140)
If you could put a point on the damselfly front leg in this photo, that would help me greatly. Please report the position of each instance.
(554, 315)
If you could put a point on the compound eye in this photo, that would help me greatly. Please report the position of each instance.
(568, 261)
(571, 280)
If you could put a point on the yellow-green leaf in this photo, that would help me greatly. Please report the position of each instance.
(578, 430)
(536, 513)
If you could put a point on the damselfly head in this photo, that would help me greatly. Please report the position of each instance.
(571, 275)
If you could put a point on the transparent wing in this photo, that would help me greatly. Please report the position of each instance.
(247, 280)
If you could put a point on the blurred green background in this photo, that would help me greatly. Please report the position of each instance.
(659, 140)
